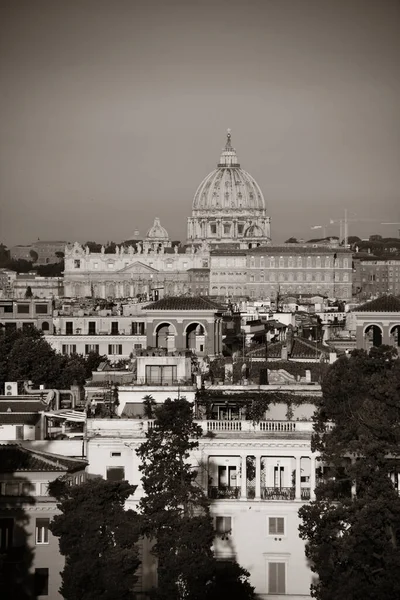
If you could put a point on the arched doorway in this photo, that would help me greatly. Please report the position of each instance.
(373, 335)
(195, 337)
(395, 335)
(162, 333)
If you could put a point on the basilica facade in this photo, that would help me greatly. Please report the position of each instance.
(228, 253)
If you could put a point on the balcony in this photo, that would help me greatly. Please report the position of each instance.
(219, 426)
(224, 492)
(278, 493)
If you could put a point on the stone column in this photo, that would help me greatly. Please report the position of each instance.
(243, 479)
(312, 478)
(298, 478)
(258, 478)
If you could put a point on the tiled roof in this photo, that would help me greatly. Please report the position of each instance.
(184, 303)
(381, 304)
(302, 348)
(267, 250)
(21, 404)
(16, 458)
(19, 418)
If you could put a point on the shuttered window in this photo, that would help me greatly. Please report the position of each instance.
(276, 526)
(276, 578)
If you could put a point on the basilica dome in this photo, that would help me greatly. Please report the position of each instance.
(229, 206)
(229, 186)
(157, 231)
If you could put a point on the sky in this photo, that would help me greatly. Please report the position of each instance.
(113, 111)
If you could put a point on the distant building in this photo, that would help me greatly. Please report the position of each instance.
(374, 277)
(378, 322)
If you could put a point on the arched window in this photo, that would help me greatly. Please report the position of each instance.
(262, 262)
(318, 262)
(290, 263)
(309, 262)
(299, 262)
(252, 262)
(45, 326)
(281, 262)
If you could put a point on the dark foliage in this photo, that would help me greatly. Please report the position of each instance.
(176, 512)
(98, 538)
(353, 528)
(52, 270)
(25, 355)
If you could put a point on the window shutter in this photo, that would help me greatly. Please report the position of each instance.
(276, 578)
(276, 526)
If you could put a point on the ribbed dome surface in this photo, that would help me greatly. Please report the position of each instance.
(157, 231)
(228, 187)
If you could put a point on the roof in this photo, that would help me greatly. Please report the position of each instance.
(19, 418)
(302, 348)
(381, 304)
(185, 303)
(16, 458)
(24, 404)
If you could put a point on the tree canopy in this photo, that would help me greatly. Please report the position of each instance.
(176, 511)
(352, 530)
(98, 538)
(25, 355)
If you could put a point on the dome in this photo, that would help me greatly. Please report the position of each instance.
(228, 187)
(157, 231)
(254, 231)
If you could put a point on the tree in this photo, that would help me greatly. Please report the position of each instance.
(28, 293)
(291, 240)
(352, 530)
(93, 246)
(25, 355)
(176, 512)
(98, 538)
(60, 255)
(34, 255)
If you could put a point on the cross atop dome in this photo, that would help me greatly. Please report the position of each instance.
(228, 156)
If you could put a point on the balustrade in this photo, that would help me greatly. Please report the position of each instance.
(282, 493)
(224, 492)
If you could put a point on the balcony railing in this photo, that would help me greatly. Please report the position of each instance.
(261, 426)
(275, 493)
(224, 492)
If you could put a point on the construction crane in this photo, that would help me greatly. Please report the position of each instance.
(393, 224)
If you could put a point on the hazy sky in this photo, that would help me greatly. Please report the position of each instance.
(113, 111)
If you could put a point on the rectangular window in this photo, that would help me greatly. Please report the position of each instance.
(114, 348)
(137, 346)
(69, 328)
(115, 473)
(276, 526)
(96, 265)
(23, 309)
(12, 488)
(114, 328)
(91, 348)
(161, 375)
(6, 533)
(213, 228)
(115, 453)
(276, 578)
(223, 525)
(19, 432)
(44, 489)
(69, 349)
(42, 531)
(77, 263)
(41, 309)
(92, 328)
(41, 582)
